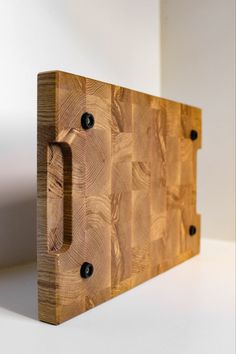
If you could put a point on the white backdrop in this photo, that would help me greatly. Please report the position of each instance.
(198, 67)
(108, 40)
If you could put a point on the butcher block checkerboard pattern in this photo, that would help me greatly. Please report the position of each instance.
(120, 196)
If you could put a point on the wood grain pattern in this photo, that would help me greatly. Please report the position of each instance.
(120, 196)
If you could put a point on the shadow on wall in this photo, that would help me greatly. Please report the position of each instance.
(18, 231)
(19, 290)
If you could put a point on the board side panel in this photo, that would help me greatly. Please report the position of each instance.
(121, 196)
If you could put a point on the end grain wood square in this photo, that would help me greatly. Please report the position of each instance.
(120, 196)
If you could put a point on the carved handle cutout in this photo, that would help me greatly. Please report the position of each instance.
(59, 197)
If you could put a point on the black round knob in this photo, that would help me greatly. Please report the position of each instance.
(87, 120)
(192, 230)
(193, 135)
(86, 270)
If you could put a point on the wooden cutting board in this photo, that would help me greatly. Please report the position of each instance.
(116, 190)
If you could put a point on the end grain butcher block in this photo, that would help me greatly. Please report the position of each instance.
(116, 190)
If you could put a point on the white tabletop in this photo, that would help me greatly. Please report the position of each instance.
(189, 309)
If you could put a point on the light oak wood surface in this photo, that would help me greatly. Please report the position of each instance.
(120, 196)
